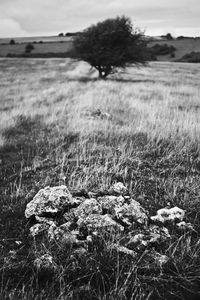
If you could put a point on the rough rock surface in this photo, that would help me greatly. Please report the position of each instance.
(131, 213)
(164, 215)
(110, 203)
(81, 221)
(96, 222)
(119, 188)
(49, 201)
(87, 208)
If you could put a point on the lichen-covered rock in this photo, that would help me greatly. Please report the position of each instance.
(183, 226)
(174, 214)
(158, 234)
(119, 188)
(63, 235)
(159, 259)
(45, 263)
(96, 222)
(177, 213)
(40, 228)
(151, 236)
(44, 220)
(50, 200)
(109, 203)
(88, 207)
(131, 213)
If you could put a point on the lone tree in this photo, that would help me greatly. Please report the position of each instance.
(29, 48)
(111, 44)
(12, 42)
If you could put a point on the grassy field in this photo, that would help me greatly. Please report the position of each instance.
(46, 47)
(150, 142)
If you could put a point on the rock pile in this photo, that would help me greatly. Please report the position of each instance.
(78, 221)
(98, 114)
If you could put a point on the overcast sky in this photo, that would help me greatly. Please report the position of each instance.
(48, 17)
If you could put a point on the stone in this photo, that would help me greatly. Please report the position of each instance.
(160, 259)
(50, 201)
(44, 220)
(164, 215)
(62, 235)
(109, 203)
(119, 188)
(39, 229)
(96, 222)
(158, 234)
(131, 213)
(88, 207)
(183, 226)
(151, 236)
(122, 250)
(177, 213)
(45, 263)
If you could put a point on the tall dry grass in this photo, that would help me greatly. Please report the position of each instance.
(50, 135)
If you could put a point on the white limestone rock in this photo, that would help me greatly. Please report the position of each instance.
(96, 222)
(119, 188)
(131, 213)
(174, 214)
(110, 203)
(88, 207)
(50, 200)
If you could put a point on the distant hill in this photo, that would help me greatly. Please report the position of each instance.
(183, 46)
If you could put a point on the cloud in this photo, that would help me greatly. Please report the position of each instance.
(10, 28)
(50, 17)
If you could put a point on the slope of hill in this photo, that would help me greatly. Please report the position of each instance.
(183, 47)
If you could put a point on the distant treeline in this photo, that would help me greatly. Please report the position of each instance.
(68, 34)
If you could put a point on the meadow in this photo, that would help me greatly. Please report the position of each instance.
(50, 135)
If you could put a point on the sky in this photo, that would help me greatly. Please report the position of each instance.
(49, 17)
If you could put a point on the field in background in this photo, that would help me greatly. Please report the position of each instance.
(50, 135)
(161, 100)
(64, 44)
(32, 39)
(46, 47)
(183, 47)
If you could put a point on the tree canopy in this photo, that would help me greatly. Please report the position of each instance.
(111, 44)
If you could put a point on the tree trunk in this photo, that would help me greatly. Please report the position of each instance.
(102, 74)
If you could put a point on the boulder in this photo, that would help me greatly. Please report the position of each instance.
(50, 201)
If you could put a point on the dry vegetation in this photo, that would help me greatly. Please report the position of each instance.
(151, 143)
